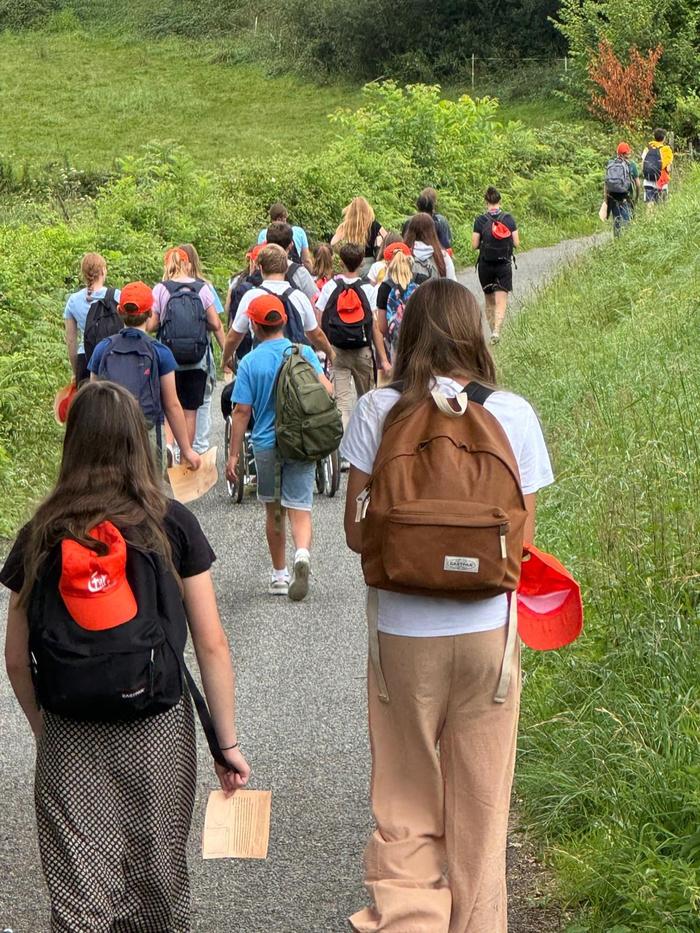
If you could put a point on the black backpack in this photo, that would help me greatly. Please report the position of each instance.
(294, 328)
(346, 302)
(102, 321)
(128, 672)
(131, 361)
(651, 166)
(493, 248)
(183, 323)
(292, 270)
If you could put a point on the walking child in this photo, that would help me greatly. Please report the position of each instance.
(285, 486)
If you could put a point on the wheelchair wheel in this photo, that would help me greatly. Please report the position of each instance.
(331, 470)
(321, 476)
(241, 471)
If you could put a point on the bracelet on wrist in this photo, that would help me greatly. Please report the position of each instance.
(229, 748)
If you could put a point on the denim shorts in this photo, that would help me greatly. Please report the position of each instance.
(298, 480)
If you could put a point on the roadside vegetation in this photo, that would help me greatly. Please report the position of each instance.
(608, 772)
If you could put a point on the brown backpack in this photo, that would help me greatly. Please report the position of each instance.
(444, 513)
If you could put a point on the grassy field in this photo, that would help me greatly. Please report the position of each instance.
(87, 99)
(608, 770)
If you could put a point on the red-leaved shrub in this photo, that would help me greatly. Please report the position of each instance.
(627, 97)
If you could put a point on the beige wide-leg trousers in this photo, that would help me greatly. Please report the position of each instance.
(443, 755)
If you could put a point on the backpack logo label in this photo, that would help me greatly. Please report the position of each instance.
(462, 564)
(98, 582)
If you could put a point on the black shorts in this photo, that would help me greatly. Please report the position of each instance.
(191, 384)
(496, 276)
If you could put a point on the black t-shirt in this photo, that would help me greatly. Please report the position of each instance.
(383, 293)
(442, 228)
(374, 231)
(192, 553)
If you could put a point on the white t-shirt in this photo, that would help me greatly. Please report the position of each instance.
(428, 616)
(332, 284)
(241, 322)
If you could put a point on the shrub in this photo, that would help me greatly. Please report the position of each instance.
(628, 90)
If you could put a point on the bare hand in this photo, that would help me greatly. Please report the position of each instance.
(231, 781)
(194, 461)
(386, 367)
(231, 467)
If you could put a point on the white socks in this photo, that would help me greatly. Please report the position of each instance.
(302, 554)
(280, 576)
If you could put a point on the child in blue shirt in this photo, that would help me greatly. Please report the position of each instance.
(254, 393)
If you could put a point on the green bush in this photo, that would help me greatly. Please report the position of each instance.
(608, 771)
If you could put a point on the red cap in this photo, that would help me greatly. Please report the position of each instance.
(94, 588)
(267, 309)
(135, 298)
(62, 402)
(550, 611)
(254, 252)
(395, 248)
(624, 149)
(179, 251)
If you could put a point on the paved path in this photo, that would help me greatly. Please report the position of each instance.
(302, 720)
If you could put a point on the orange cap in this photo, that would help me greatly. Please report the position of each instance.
(550, 610)
(93, 587)
(62, 402)
(254, 251)
(395, 248)
(267, 309)
(135, 298)
(624, 149)
(179, 251)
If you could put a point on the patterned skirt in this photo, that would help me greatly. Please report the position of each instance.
(114, 806)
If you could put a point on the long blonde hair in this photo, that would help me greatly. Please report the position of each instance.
(93, 267)
(441, 334)
(176, 263)
(357, 221)
(400, 269)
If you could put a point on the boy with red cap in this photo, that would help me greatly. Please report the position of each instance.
(145, 367)
(622, 186)
(254, 393)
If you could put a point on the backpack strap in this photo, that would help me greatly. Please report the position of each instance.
(477, 393)
(171, 610)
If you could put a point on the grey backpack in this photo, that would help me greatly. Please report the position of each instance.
(618, 177)
(424, 269)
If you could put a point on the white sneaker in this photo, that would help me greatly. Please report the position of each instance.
(299, 586)
(278, 587)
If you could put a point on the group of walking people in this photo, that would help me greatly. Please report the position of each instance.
(110, 575)
(624, 185)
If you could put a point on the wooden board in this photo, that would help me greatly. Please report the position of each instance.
(237, 826)
(188, 484)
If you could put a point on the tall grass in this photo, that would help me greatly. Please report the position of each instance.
(609, 770)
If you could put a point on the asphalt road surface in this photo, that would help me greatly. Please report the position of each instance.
(302, 723)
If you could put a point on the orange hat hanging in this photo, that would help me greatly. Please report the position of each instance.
(550, 610)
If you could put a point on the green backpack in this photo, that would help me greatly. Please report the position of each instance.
(307, 420)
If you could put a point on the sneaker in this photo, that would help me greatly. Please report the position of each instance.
(495, 338)
(344, 466)
(278, 587)
(299, 586)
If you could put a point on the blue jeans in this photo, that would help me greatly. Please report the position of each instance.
(621, 212)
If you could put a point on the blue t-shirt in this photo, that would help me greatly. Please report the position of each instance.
(166, 360)
(255, 384)
(77, 307)
(301, 241)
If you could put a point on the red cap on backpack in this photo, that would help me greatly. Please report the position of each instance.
(135, 298)
(550, 610)
(93, 587)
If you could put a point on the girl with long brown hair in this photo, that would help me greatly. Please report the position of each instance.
(93, 272)
(430, 259)
(361, 227)
(443, 751)
(114, 796)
